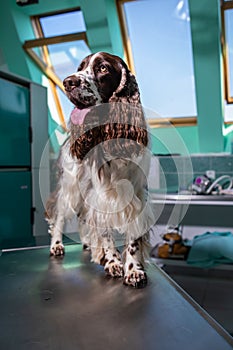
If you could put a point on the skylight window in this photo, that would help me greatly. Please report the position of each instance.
(161, 50)
(63, 23)
(59, 49)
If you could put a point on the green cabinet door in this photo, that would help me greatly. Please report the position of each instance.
(15, 209)
(14, 124)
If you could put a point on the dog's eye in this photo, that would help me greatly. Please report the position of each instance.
(80, 67)
(103, 69)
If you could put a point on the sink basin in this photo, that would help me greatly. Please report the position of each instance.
(191, 197)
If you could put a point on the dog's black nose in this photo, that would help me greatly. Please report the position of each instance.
(71, 82)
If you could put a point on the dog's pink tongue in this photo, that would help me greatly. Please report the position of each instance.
(78, 115)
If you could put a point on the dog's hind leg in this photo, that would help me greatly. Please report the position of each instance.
(134, 256)
(105, 253)
(112, 263)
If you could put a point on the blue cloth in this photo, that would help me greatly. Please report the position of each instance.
(210, 249)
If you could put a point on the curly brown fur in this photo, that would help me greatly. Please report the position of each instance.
(104, 165)
(122, 118)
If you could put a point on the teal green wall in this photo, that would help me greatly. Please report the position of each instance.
(114, 28)
(171, 140)
(12, 54)
(206, 33)
(228, 139)
(104, 34)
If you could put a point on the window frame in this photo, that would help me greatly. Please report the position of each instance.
(226, 5)
(44, 64)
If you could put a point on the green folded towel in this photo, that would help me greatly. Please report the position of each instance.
(210, 249)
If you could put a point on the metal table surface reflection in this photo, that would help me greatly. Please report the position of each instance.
(69, 303)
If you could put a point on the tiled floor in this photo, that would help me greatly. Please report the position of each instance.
(212, 289)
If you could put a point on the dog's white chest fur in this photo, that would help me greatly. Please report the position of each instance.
(104, 169)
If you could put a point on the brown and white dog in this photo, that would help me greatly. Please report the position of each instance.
(103, 168)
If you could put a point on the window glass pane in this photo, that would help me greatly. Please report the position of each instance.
(64, 23)
(66, 57)
(229, 43)
(162, 53)
(66, 105)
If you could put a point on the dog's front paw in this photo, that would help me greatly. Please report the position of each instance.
(135, 276)
(57, 249)
(114, 268)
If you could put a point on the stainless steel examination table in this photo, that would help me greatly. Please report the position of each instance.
(69, 303)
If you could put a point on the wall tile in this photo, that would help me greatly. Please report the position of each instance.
(177, 172)
(222, 164)
(167, 164)
(201, 164)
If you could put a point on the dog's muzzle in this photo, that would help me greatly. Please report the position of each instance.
(72, 82)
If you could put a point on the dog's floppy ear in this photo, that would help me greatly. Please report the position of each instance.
(127, 90)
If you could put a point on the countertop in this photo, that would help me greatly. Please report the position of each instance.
(69, 303)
